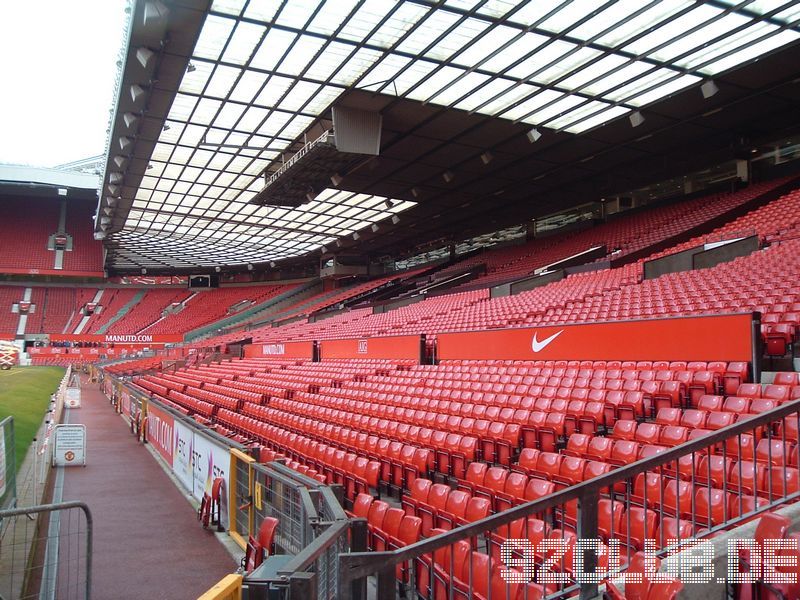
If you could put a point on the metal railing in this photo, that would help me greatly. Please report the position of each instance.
(46, 552)
(322, 139)
(713, 482)
(313, 527)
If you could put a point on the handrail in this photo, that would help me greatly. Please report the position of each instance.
(297, 156)
(356, 565)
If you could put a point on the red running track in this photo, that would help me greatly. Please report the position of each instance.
(147, 540)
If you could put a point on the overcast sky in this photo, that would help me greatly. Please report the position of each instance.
(57, 75)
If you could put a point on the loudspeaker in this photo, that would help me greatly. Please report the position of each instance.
(357, 131)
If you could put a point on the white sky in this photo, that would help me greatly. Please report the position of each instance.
(57, 76)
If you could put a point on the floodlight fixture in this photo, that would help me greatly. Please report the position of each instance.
(137, 92)
(708, 89)
(534, 135)
(130, 119)
(636, 119)
(154, 11)
(145, 56)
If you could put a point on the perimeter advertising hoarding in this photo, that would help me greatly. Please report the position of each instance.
(210, 460)
(182, 454)
(160, 427)
(125, 402)
(718, 337)
(399, 347)
(117, 350)
(304, 350)
(195, 458)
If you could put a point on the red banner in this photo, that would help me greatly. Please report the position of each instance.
(143, 339)
(399, 347)
(304, 350)
(160, 426)
(719, 337)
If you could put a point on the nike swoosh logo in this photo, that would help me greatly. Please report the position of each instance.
(538, 346)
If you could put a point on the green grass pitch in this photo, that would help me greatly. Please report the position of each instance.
(25, 394)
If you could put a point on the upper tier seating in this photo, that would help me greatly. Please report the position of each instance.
(26, 225)
(36, 316)
(213, 305)
(112, 301)
(57, 308)
(8, 320)
(87, 253)
(148, 310)
(83, 296)
(762, 281)
(623, 234)
(775, 221)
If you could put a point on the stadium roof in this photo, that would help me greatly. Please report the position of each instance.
(216, 97)
(37, 181)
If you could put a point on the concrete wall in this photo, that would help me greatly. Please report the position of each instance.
(673, 263)
(499, 291)
(382, 308)
(592, 266)
(726, 253)
(580, 259)
(531, 283)
(697, 258)
(326, 315)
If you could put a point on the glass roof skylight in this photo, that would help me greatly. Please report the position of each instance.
(265, 70)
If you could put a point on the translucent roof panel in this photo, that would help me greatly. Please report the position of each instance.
(264, 71)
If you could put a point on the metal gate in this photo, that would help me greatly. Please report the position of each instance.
(46, 552)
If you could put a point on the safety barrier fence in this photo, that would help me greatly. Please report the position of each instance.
(717, 480)
(313, 529)
(46, 552)
(312, 525)
(26, 487)
(8, 463)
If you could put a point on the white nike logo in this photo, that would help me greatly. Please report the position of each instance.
(538, 346)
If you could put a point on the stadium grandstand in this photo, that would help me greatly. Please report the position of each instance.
(457, 299)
